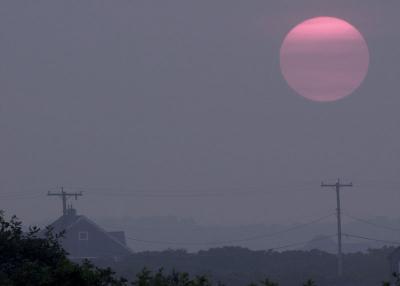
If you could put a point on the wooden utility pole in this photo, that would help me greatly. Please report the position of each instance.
(338, 186)
(64, 195)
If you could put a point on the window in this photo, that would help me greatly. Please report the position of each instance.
(83, 235)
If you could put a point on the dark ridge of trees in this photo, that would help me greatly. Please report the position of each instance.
(237, 266)
(27, 260)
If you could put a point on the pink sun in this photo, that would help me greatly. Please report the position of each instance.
(324, 59)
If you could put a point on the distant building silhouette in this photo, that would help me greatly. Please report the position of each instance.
(84, 239)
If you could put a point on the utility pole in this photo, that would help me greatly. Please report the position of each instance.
(64, 195)
(338, 185)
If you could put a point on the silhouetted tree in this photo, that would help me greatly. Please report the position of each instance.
(309, 283)
(27, 259)
(268, 282)
(396, 282)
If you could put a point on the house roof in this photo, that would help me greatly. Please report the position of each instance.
(68, 221)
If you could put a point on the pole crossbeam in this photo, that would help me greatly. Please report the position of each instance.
(64, 196)
(338, 185)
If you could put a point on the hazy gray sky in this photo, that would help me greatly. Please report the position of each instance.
(186, 97)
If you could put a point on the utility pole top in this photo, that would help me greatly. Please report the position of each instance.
(64, 196)
(338, 185)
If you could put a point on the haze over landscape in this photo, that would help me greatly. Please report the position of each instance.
(179, 108)
(199, 143)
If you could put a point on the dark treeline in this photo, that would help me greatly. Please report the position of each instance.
(236, 266)
(26, 259)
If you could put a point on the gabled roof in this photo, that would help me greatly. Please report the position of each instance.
(63, 223)
(66, 222)
(118, 235)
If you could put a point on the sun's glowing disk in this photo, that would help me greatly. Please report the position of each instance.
(324, 27)
(324, 58)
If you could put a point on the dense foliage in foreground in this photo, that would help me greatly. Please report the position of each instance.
(27, 259)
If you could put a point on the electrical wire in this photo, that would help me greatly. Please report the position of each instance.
(236, 240)
(303, 242)
(370, 223)
(371, 239)
(286, 246)
(124, 192)
(19, 197)
(191, 191)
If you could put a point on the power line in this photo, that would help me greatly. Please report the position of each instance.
(176, 195)
(285, 246)
(371, 223)
(371, 239)
(19, 197)
(202, 254)
(190, 191)
(303, 243)
(166, 193)
(188, 194)
(23, 194)
(233, 241)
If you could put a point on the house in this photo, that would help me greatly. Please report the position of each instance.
(84, 239)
